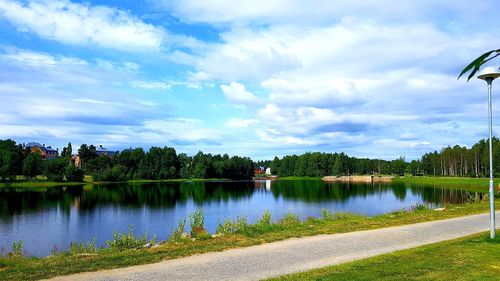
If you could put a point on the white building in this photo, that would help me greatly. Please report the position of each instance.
(268, 171)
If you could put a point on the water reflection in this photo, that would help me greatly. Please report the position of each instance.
(78, 213)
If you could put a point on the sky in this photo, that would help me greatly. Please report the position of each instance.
(257, 78)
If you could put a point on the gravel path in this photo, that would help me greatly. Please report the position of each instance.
(293, 255)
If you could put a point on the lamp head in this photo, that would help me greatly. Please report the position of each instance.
(489, 74)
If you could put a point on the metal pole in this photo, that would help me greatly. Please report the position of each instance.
(492, 193)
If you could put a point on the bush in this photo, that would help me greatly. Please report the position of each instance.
(74, 174)
(123, 241)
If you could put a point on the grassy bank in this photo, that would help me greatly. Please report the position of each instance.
(471, 258)
(126, 251)
(472, 184)
(40, 183)
(299, 178)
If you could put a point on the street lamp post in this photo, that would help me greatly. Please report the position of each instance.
(489, 74)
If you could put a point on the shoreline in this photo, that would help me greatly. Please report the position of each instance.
(64, 263)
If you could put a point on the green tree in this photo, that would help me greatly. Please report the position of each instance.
(32, 165)
(11, 158)
(86, 153)
(54, 169)
(74, 174)
(67, 151)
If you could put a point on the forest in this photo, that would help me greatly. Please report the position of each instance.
(164, 163)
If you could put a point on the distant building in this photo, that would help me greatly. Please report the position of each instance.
(259, 171)
(268, 171)
(75, 160)
(46, 152)
(102, 151)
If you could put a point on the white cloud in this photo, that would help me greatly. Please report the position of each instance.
(241, 123)
(82, 24)
(151, 85)
(264, 12)
(237, 93)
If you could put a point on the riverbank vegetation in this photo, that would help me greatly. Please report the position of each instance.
(128, 249)
(471, 184)
(470, 258)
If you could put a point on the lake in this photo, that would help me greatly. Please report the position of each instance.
(50, 218)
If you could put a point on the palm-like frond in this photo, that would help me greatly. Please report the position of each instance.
(474, 66)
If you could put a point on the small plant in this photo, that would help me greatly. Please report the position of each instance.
(419, 207)
(327, 215)
(179, 231)
(265, 220)
(79, 248)
(123, 241)
(241, 225)
(290, 218)
(17, 249)
(226, 227)
(197, 219)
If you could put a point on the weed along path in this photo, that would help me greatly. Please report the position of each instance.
(294, 255)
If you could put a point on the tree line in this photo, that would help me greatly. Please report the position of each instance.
(18, 160)
(164, 163)
(133, 163)
(317, 164)
(459, 161)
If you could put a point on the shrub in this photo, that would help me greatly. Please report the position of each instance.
(123, 241)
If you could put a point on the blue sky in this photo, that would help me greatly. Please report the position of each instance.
(254, 78)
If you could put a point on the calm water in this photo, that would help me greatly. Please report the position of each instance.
(53, 218)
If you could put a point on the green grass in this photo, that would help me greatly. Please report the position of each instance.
(471, 258)
(43, 183)
(472, 184)
(299, 178)
(26, 268)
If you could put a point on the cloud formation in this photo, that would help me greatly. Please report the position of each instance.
(370, 78)
(83, 24)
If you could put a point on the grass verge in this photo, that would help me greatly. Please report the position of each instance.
(88, 179)
(470, 258)
(299, 178)
(471, 184)
(235, 234)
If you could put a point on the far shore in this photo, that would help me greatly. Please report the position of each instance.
(471, 184)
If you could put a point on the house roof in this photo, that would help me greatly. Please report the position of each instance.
(41, 146)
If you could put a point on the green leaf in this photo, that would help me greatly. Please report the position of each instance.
(475, 65)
